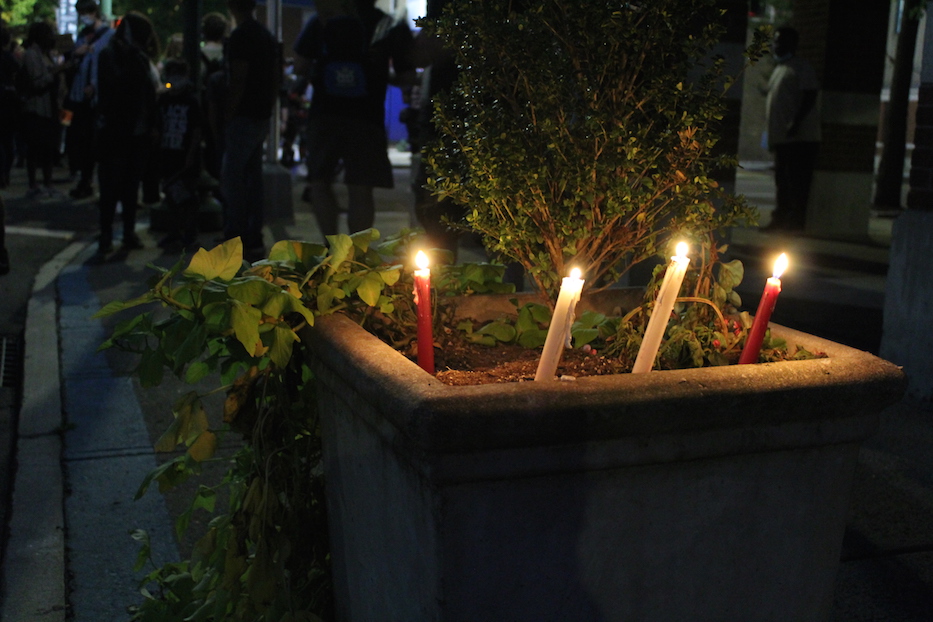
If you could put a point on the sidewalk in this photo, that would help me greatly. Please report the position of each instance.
(85, 437)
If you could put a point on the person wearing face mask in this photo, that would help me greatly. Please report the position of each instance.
(83, 94)
(793, 130)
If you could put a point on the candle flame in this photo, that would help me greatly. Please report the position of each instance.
(780, 265)
(576, 273)
(421, 260)
(682, 249)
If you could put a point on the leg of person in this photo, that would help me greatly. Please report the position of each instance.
(808, 154)
(253, 245)
(800, 161)
(30, 136)
(136, 162)
(323, 156)
(82, 128)
(49, 141)
(325, 206)
(233, 180)
(108, 179)
(782, 186)
(362, 208)
(367, 166)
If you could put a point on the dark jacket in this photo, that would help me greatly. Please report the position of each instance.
(126, 92)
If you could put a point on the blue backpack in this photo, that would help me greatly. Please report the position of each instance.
(344, 53)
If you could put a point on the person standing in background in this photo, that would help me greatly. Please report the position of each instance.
(179, 132)
(214, 28)
(128, 82)
(83, 95)
(10, 105)
(253, 69)
(348, 58)
(793, 130)
(40, 86)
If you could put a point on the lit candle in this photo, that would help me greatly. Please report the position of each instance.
(768, 299)
(558, 333)
(663, 305)
(425, 323)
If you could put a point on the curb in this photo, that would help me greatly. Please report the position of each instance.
(34, 569)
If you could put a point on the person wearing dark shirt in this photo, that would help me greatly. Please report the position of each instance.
(348, 58)
(179, 130)
(254, 70)
(127, 84)
(9, 105)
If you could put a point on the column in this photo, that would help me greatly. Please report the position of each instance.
(846, 46)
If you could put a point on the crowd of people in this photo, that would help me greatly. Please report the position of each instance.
(134, 121)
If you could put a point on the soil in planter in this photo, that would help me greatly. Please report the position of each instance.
(462, 363)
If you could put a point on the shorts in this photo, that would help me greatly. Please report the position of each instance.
(362, 148)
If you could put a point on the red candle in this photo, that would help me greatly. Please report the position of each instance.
(425, 322)
(768, 299)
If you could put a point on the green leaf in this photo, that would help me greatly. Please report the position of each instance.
(295, 252)
(282, 302)
(362, 239)
(499, 330)
(325, 297)
(119, 305)
(540, 313)
(391, 275)
(731, 274)
(159, 473)
(534, 338)
(370, 288)
(340, 248)
(245, 320)
(252, 290)
(196, 372)
(221, 262)
(145, 548)
(280, 350)
(583, 336)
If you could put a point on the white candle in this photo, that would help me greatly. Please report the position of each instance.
(558, 333)
(663, 306)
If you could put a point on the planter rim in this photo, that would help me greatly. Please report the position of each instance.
(439, 418)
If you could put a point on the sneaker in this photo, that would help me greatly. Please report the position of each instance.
(34, 193)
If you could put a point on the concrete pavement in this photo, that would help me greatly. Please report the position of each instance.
(86, 429)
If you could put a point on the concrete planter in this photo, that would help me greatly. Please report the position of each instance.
(704, 494)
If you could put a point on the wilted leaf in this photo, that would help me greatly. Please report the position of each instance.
(203, 446)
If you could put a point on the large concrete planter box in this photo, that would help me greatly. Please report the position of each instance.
(704, 494)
